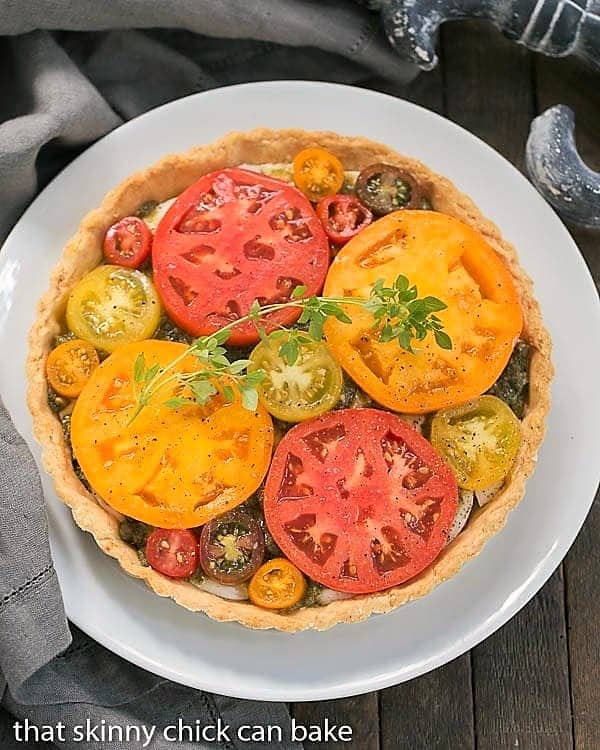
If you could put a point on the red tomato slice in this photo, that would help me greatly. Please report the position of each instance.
(232, 237)
(343, 216)
(173, 552)
(359, 500)
(128, 242)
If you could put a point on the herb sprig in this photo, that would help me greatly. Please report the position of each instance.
(399, 314)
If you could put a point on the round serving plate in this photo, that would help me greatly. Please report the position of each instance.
(155, 633)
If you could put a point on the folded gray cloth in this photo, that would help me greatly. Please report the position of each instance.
(49, 675)
(68, 74)
(61, 91)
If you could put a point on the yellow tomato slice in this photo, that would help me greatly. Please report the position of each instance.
(112, 306)
(304, 390)
(277, 584)
(172, 468)
(444, 258)
(70, 365)
(480, 440)
(318, 173)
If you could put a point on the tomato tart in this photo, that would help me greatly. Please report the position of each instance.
(289, 378)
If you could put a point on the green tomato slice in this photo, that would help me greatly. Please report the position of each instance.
(303, 390)
(112, 306)
(480, 440)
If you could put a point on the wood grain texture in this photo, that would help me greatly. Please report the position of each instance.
(488, 86)
(583, 593)
(520, 674)
(360, 712)
(521, 679)
(427, 90)
(433, 712)
(569, 82)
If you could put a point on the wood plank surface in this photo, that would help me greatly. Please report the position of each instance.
(569, 82)
(583, 594)
(520, 674)
(433, 712)
(361, 713)
(489, 87)
(520, 679)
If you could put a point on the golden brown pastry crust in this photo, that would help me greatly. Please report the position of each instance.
(167, 178)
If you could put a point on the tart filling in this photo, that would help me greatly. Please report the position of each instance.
(308, 384)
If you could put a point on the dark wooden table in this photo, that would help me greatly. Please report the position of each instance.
(535, 684)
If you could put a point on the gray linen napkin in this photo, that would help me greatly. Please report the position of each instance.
(62, 90)
(50, 675)
(68, 74)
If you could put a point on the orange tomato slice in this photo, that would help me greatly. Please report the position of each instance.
(444, 258)
(70, 365)
(277, 584)
(318, 173)
(171, 468)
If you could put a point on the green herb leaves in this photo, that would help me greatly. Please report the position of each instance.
(399, 315)
(316, 310)
(140, 373)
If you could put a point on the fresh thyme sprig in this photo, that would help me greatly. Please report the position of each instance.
(198, 386)
(398, 315)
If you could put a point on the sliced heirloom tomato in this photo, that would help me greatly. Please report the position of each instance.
(70, 365)
(231, 547)
(304, 390)
(173, 552)
(359, 500)
(112, 306)
(385, 188)
(171, 468)
(277, 585)
(318, 173)
(446, 259)
(233, 237)
(480, 440)
(128, 242)
(343, 216)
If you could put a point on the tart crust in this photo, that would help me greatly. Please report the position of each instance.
(166, 179)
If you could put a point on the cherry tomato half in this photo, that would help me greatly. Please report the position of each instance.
(277, 585)
(359, 500)
(173, 552)
(342, 217)
(385, 188)
(231, 547)
(112, 306)
(303, 390)
(480, 440)
(128, 242)
(70, 365)
(318, 173)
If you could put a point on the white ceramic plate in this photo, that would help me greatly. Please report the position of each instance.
(126, 617)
